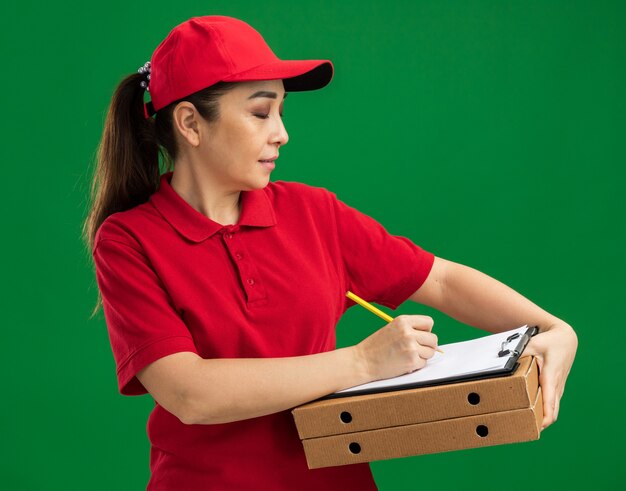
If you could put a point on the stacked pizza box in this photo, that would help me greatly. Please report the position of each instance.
(402, 423)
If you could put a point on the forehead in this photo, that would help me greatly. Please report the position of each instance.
(245, 90)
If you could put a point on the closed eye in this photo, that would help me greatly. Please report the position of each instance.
(265, 116)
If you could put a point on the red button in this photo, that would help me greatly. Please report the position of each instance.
(238, 255)
(229, 236)
(250, 281)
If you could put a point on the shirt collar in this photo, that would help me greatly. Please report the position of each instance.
(256, 211)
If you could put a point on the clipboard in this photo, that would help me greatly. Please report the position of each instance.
(490, 356)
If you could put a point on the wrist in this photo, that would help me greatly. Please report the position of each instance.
(563, 331)
(360, 365)
(553, 324)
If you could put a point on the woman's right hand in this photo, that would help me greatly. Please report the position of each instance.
(402, 346)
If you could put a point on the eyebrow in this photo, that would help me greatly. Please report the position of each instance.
(266, 93)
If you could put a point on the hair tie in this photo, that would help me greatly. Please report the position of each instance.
(145, 70)
(148, 108)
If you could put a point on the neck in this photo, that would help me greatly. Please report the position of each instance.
(205, 195)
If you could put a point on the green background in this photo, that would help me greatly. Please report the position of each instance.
(489, 132)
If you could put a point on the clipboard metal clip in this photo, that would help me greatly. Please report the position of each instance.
(516, 350)
(504, 348)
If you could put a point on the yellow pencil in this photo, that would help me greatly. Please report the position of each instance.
(373, 309)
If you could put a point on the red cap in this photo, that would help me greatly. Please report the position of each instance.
(205, 50)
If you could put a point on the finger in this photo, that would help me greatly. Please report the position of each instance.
(548, 411)
(533, 348)
(549, 402)
(557, 404)
(426, 352)
(427, 339)
(421, 322)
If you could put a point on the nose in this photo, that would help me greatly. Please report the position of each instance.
(280, 135)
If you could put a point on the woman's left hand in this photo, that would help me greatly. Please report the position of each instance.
(554, 348)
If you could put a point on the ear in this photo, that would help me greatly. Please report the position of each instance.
(185, 119)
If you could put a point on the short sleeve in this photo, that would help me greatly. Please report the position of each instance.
(142, 323)
(380, 267)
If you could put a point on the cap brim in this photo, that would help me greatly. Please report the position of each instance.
(297, 75)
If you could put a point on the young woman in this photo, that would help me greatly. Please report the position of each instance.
(211, 275)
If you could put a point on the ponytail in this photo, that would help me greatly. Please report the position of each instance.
(127, 164)
(127, 161)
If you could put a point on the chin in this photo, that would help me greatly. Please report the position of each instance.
(256, 184)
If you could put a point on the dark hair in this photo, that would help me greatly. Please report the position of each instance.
(133, 150)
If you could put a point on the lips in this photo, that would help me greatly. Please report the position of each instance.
(271, 159)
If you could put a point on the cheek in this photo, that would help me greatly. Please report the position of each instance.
(251, 141)
(239, 140)
(245, 137)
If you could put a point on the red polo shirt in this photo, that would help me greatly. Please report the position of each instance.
(273, 285)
